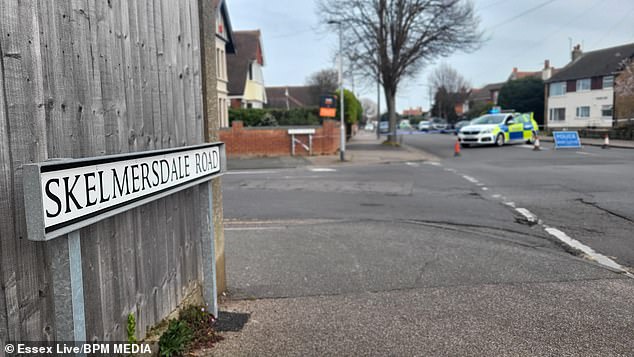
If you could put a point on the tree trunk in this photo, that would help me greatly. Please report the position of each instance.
(390, 97)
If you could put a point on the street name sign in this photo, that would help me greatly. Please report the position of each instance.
(62, 196)
(566, 139)
(301, 131)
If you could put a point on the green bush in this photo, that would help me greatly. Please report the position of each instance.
(175, 341)
(275, 117)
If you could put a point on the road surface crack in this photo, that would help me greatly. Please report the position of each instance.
(610, 212)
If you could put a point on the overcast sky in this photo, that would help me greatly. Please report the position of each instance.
(521, 33)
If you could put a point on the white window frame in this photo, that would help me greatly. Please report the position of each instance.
(580, 111)
(581, 86)
(609, 80)
(561, 85)
(605, 108)
(551, 117)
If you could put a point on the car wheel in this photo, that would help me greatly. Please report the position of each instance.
(499, 140)
(533, 138)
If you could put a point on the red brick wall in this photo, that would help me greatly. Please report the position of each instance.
(272, 141)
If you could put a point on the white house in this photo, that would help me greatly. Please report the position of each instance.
(581, 95)
(224, 45)
(246, 81)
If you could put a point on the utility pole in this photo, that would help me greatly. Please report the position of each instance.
(342, 147)
(378, 103)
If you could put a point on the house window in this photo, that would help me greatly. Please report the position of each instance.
(583, 84)
(583, 112)
(223, 59)
(557, 114)
(218, 72)
(606, 111)
(558, 88)
(608, 82)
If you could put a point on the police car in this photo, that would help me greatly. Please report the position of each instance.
(499, 129)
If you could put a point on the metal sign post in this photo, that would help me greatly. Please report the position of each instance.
(63, 196)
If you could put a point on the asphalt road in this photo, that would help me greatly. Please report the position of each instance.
(587, 193)
(455, 257)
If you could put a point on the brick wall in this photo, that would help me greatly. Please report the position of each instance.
(275, 141)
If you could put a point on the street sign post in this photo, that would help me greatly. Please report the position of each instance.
(63, 196)
(566, 140)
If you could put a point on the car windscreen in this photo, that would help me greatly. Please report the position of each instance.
(489, 119)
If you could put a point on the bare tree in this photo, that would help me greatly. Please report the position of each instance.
(369, 108)
(624, 93)
(450, 88)
(393, 39)
(445, 76)
(323, 82)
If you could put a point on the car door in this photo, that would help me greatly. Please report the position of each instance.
(516, 129)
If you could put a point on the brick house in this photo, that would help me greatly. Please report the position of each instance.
(246, 80)
(582, 94)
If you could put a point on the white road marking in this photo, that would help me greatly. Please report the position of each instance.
(322, 169)
(563, 237)
(585, 153)
(252, 228)
(254, 172)
(432, 163)
(589, 252)
(470, 179)
(485, 188)
(413, 164)
(528, 214)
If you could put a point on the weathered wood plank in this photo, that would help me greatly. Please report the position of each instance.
(7, 241)
(27, 142)
(99, 78)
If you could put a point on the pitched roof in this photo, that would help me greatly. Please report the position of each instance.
(298, 96)
(221, 5)
(247, 45)
(484, 93)
(595, 63)
(520, 75)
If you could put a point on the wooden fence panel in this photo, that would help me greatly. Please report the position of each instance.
(86, 78)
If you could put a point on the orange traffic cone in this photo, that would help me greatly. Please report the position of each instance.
(536, 144)
(456, 148)
(606, 142)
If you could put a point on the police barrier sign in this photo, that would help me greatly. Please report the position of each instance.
(566, 139)
(63, 196)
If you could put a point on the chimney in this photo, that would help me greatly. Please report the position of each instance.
(546, 64)
(576, 52)
(514, 69)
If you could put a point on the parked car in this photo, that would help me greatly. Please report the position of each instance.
(424, 125)
(459, 125)
(405, 125)
(369, 127)
(439, 124)
(384, 127)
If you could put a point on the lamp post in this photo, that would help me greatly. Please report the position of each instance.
(342, 147)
